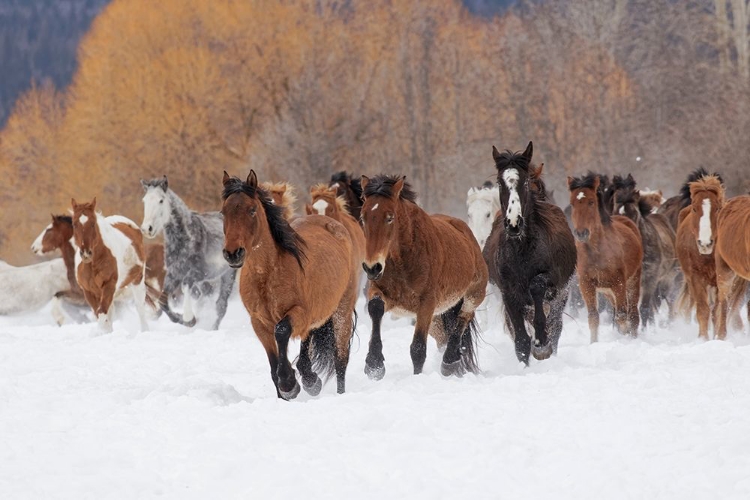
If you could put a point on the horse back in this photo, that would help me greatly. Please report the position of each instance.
(733, 235)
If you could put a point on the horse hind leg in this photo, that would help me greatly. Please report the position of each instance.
(225, 290)
(632, 295)
(554, 318)
(344, 324)
(310, 380)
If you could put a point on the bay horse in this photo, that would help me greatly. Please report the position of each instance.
(610, 255)
(193, 244)
(731, 251)
(531, 256)
(428, 266)
(350, 188)
(283, 195)
(325, 201)
(110, 259)
(482, 204)
(297, 280)
(659, 266)
(59, 236)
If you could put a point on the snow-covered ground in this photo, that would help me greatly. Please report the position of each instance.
(180, 413)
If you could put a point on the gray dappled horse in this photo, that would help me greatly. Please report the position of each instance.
(193, 245)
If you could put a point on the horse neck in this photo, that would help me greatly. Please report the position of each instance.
(179, 217)
(264, 254)
(409, 240)
(98, 247)
(69, 258)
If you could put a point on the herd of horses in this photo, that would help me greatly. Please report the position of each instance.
(614, 247)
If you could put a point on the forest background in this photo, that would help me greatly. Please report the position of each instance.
(297, 89)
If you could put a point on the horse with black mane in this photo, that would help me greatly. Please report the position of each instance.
(350, 188)
(428, 266)
(531, 255)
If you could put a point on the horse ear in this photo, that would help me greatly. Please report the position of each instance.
(597, 182)
(529, 151)
(541, 169)
(308, 209)
(570, 181)
(495, 153)
(397, 187)
(93, 203)
(472, 190)
(364, 181)
(630, 177)
(144, 185)
(281, 189)
(252, 179)
(164, 184)
(73, 203)
(225, 180)
(53, 217)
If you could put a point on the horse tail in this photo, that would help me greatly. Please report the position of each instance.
(469, 347)
(323, 350)
(153, 297)
(684, 304)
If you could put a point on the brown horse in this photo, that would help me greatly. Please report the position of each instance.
(673, 206)
(660, 269)
(609, 255)
(695, 249)
(424, 265)
(326, 202)
(59, 236)
(731, 251)
(112, 258)
(283, 195)
(350, 188)
(297, 280)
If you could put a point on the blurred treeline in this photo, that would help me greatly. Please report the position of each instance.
(297, 89)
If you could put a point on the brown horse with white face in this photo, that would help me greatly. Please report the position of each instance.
(111, 258)
(326, 201)
(424, 265)
(731, 252)
(297, 280)
(610, 255)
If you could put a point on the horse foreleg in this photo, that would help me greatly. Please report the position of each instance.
(588, 292)
(724, 281)
(633, 294)
(541, 349)
(375, 362)
(188, 315)
(139, 297)
(225, 290)
(105, 303)
(343, 328)
(288, 386)
(266, 337)
(702, 310)
(418, 348)
(514, 312)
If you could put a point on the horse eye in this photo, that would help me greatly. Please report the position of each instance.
(389, 219)
(161, 201)
(487, 216)
(591, 203)
(252, 212)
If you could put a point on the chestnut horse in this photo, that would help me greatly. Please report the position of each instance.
(731, 252)
(531, 256)
(326, 202)
(351, 189)
(112, 258)
(610, 255)
(659, 268)
(59, 236)
(282, 194)
(424, 265)
(297, 280)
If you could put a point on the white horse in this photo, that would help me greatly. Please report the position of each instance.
(29, 288)
(482, 204)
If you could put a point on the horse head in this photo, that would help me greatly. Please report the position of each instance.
(54, 236)
(706, 199)
(589, 212)
(85, 230)
(382, 213)
(482, 204)
(156, 206)
(516, 198)
(325, 200)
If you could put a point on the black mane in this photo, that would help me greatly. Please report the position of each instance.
(587, 182)
(509, 159)
(382, 185)
(282, 233)
(65, 218)
(627, 196)
(620, 183)
(695, 175)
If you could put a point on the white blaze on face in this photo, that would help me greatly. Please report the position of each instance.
(580, 196)
(83, 219)
(622, 210)
(374, 207)
(320, 207)
(36, 247)
(510, 178)
(704, 225)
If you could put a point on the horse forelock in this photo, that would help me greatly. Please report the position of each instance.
(382, 185)
(709, 183)
(282, 233)
(587, 182)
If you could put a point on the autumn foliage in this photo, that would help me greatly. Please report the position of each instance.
(298, 89)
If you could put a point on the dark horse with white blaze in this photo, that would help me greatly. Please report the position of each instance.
(535, 257)
(424, 265)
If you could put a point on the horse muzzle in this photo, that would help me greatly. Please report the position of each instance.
(705, 248)
(148, 232)
(86, 255)
(374, 272)
(514, 231)
(582, 235)
(235, 259)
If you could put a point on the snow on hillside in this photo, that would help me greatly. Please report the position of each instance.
(177, 413)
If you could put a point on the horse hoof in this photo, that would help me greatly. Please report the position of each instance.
(314, 388)
(449, 369)
(375, 372)
(190, 323)
(289, 395)
(541, 352)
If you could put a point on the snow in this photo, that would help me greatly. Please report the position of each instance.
(181, 413)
